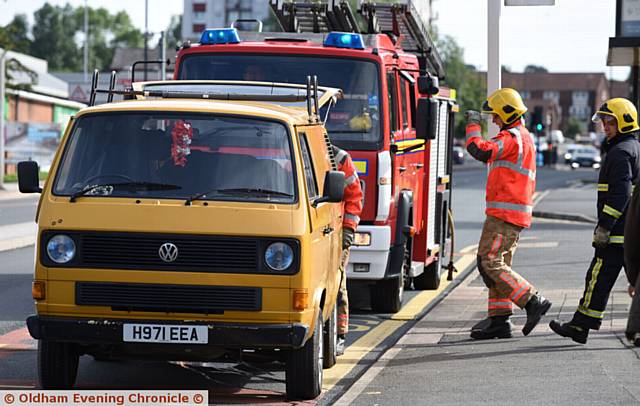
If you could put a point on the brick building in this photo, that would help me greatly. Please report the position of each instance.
(565, 95)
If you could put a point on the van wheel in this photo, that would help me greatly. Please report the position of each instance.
(430, 278)
(57, 364)
(304, 366)
(330, 337)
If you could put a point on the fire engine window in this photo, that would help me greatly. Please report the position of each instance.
(393, 100)
(312, 187)
(403, 103)
(353, 123)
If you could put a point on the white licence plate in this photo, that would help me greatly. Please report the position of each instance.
(165, 333)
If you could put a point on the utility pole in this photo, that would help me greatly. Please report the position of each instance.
(3, 66)
(163, 55)
(494, 81)
(86, 42)
(146, 35)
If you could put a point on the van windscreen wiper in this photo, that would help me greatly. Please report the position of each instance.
(236, 191)
(105, 189)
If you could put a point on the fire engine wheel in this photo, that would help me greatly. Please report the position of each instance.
(304, 366)
(330, 339)
(57, 364)
(386, 294)
(430, 278)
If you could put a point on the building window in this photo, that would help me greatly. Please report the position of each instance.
(199, 7)
(551, 95)
(198, 28)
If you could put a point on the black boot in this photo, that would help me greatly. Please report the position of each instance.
(498, 327)
(482, 324)
(576, 333)
(536, 307)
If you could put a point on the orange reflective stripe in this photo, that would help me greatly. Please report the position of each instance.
(510, 281)
(500, 306)
(495, 245)
(524, 288)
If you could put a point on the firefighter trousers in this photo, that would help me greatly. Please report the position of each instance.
(601, 276)
(343, 299)
(497, 246)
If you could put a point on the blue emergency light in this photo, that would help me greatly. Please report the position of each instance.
(220, 36)
(344, 40)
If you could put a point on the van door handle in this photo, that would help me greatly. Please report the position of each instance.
(327, 230)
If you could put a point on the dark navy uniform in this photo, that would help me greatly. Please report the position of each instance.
(620, 171)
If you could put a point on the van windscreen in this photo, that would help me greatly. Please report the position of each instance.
(170, 155)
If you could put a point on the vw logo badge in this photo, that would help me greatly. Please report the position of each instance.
(168, 252)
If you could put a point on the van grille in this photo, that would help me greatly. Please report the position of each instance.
(168, 298)
(139, 251)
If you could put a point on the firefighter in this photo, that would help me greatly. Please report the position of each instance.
(510, 185)
(618, 173)
(632, 264)
(352, 207)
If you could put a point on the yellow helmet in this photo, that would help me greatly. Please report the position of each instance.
(506, 103)
(624, 112)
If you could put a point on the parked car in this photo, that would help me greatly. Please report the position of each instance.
(458, 155)
(570, 150)
(586, 156)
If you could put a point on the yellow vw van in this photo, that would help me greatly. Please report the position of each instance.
(190, 222)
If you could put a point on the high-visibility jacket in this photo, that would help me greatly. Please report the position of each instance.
(352, 201)
(619, 172)
(512, 171)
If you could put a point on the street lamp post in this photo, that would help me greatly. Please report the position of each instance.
(3, 66)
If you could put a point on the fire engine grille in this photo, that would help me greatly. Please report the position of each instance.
(168, 298)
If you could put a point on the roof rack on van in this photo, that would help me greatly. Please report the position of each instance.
(310, 95)
(400, 20)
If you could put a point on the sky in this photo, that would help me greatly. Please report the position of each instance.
(571, 36)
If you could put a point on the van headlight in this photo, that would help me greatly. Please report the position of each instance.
(61, 249)
(278, 256)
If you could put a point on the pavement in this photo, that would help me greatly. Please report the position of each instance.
(18, 235)
(436, 362)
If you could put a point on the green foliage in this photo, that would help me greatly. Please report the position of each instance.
(469, 84)
(57, 35)
(174, 32)
(535, 69)
(574, 126)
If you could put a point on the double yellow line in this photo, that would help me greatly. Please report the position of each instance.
(364, 345)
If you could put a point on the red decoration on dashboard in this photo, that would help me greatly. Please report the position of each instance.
(181, 136)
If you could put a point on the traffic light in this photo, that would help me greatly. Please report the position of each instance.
(537, 119)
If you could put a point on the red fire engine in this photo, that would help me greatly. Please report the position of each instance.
(394, 120)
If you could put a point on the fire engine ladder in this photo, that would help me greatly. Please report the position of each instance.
(404, 21)
(314, 17)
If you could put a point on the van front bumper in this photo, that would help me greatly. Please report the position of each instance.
(224, 335)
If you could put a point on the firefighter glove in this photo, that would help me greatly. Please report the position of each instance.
(601, 237)
(473, 117)
(347, 237)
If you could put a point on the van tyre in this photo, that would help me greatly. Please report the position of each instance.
(304, 366)
(330, 337)
(430, 278)
(57, 364)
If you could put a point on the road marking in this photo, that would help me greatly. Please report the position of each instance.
(356, 352)
(547, 244)
(538, 196)
(17, 235)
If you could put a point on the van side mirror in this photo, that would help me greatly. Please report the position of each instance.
(28, 181)
(427, 119)
(333, 188)
(428, 85)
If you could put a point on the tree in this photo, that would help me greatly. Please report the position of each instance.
(174, 32)
(574, 126)
(470, 87)
(15, 35)
(535, 69)
(53, 33)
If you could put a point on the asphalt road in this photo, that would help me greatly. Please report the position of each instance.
(246, 382)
